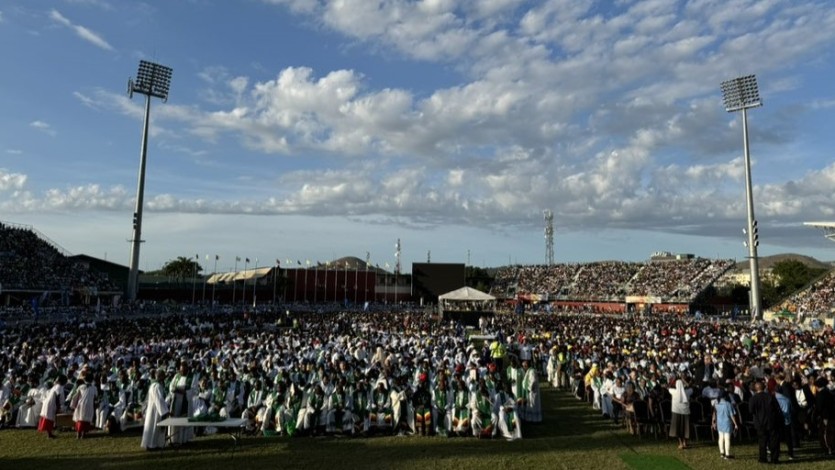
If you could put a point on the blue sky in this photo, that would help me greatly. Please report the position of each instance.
(313, 129)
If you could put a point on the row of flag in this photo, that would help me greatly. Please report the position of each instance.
(290, 262)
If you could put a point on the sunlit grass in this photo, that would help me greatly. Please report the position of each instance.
(572, 436)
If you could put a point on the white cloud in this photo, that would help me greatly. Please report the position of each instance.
(14, 151)
(104, 5)
(43, 127)
(610, 117)
(11, 181)
(84, 33)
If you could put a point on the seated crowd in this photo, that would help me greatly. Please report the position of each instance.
(28, 262)
(672, 281)
(817, 300)
(337, 373)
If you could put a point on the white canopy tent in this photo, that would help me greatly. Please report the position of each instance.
(466, 299)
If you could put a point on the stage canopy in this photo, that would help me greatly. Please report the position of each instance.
(467, 299)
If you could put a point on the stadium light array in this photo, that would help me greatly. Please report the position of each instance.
(741, 94)
(152, 80)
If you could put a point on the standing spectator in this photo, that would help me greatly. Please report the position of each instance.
(51, 405)
(785, 425)
(680, 420)
(724, 422)
(767, 416)
(153, 437)
(532, 410)
(825, 405)
(84, 407)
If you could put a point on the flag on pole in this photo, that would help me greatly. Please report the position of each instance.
(237, 258)
(247, 260)
(277, 262)
(217, 257)
(299, 262)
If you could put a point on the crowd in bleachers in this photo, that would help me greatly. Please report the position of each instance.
(673, 281)
(818, 300)
(28, 262)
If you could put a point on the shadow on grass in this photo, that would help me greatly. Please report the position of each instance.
(569, 427)
(572, 435)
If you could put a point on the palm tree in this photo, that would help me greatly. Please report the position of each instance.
(182, 268)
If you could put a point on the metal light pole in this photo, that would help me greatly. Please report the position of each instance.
(255, 285)
(205, 278)
(152, 80)
(275, 277)
(740, 94)
(214, 272)
(194, 279)
(243, 291)
(235, 280)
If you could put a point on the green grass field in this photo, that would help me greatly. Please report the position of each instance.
(572, 437)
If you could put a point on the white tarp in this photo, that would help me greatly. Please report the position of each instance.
(246, 275)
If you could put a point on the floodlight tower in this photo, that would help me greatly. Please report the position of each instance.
(549, 236)
(152, 80)
(740, 94)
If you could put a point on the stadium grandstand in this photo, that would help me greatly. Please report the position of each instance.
(672, 284)
(815, 301)
(35, 270)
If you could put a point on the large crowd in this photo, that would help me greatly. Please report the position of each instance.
(816, 300)
(304, 374)
(28, 262)
(669, 280)
(360, 373)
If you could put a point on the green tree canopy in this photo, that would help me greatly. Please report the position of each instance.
(182, 268)
(792, 274)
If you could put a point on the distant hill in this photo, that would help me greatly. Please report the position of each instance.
(767, 262)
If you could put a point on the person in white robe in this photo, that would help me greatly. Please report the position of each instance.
(288, 411)
(108, 397)
(181, 403)
(481, 405)
(552, 368)
(265, 418)
(461, 418)
(360, 401)
(254, 404)
(606, 406)
(340, 419)
(30, 407)
(84, 408)
(403, 413)
(532, 411)
(443, 401)
(7, 402)
(156, 410)
(308, 419)
(508, 424)
(380, 411)
(52, 404)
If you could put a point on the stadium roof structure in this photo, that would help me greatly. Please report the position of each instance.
(828, 228)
